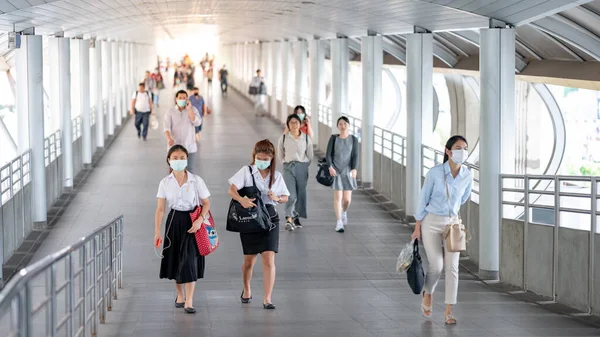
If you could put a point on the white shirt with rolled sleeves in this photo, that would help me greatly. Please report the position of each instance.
(243, 179)
(182, 129)
(184, 197)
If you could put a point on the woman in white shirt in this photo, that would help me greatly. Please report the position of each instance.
(182, 192)
(273, 191)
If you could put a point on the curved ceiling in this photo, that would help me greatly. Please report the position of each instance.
(547, 30)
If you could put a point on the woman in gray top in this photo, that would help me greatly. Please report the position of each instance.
(342, 158)
(296, 152)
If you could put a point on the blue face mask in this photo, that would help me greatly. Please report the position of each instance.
(181, 103)
(302, 116)
(262, 164)
(178, 165)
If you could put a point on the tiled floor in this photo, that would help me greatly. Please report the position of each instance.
(328, 284)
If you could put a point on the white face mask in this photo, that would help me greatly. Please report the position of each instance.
(459, 156)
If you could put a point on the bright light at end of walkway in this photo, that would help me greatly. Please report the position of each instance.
(194, 40)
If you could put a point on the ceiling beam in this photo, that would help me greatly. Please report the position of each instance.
(394, 49)
(572, 33)
(544, 10)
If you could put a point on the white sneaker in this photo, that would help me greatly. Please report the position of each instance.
(339, 227)
(345, 218)
(289, 226)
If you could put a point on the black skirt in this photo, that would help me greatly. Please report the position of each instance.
(181, 260)
(267, 241)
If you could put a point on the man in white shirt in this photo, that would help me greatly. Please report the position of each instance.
(141, 106)
(258, 82)
(180, 122)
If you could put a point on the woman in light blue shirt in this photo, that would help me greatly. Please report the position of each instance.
(438, 207)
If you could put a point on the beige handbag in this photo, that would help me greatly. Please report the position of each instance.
(455, 234)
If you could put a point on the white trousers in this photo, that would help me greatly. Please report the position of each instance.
(432, 230)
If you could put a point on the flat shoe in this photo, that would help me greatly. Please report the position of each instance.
(268, 306)
(245, 300)
(190, 310)
(179, 304)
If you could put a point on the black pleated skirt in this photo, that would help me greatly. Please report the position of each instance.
(181, 260)
(267, 241)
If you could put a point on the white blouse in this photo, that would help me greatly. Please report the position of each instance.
(185, 197)
(243, 179)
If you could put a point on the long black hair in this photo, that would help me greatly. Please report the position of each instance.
(176, 148)
(450, 143)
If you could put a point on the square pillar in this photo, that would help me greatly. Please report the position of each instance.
(496, 140)
(106, 87)
(340, 57)
(82, 79)
(317, 83)
(30, 105)
(285, 79)
(97, 88)
(419, 92)
(122, 88)
(301, 65)
(372, 67)
(275, 56)
(115, 89)
(60, 101)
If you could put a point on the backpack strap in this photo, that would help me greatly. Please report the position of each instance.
(252, 175)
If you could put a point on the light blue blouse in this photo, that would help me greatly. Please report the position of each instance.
(433, 197)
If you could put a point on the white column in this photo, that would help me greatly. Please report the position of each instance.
(285, 78)
(339, 86)
(122, 88)
(275, 56)
(317, 83)
(496, 140)
(30, 120)
(372, 66)
(63, 83)
(84, 100)
(419, 92)
(115, 97)
(99, 90)
(301, 61)
(106, 88)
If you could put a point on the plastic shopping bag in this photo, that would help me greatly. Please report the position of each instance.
(405, 258)
(153, 122)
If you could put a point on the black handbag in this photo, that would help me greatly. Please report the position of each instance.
(249, 220)
(415, 274)
(252, 90)
(323, 176)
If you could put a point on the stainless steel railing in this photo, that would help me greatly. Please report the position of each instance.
(528, 198)
(93, 273)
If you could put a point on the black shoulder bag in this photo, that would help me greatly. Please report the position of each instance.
(323, 176)
(415, 274)
(249, 220)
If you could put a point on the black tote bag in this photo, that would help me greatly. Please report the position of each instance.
(248, 220)
(415, 274)
(323, 176)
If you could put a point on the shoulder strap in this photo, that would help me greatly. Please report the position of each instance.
(333, 147)
(252, 175)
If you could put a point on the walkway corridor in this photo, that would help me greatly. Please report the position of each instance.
(328, 284)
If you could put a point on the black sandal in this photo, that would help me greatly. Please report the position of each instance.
(245, 300)
(178, 304)
(268, 306)
(190, 310)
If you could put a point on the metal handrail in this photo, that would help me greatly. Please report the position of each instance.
(52, 147)
(76, 125)
(14, 176)
(95, 261)
(527, 206)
